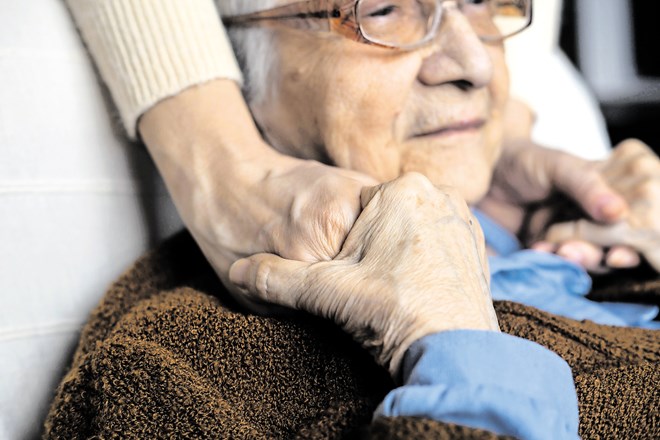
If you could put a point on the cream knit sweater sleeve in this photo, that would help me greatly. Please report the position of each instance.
(148, 50)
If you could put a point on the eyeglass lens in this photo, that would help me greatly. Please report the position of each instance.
(401, 23)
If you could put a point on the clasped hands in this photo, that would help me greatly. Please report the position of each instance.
(239, 197)
(621, 197)
(413, 264)
(633, 172)
(414, 261)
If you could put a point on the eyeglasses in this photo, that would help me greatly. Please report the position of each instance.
(398, 24)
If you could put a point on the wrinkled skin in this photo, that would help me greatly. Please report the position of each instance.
(237, 195)
(436, 110)
(413, 264)
(618, 192)
(633, 171)
(331, 101)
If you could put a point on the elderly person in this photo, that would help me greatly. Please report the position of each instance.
(413, 265)
(441, 110)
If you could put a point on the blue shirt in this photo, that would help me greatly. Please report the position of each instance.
(497, 382)
(552, 283)
(487, 380)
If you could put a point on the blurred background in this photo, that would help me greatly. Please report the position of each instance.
(615, 44)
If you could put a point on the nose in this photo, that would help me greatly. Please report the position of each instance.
(458, 55)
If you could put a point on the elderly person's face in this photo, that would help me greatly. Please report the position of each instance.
(437, 109)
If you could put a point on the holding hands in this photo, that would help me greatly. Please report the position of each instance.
(413, 264)
(236, 194)
(633, 171)
(621, 196)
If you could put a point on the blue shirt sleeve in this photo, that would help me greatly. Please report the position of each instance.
(552, 283)
(487, 380)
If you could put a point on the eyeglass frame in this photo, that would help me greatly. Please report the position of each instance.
(352, 28)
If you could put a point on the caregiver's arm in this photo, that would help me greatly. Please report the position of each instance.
(412, 278)
(236, 194)
(171, 62)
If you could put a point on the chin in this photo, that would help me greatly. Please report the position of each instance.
(467, 171)
(472, 186)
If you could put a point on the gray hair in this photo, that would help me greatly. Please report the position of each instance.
(253, 46)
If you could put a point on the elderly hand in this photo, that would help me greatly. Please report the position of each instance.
(237, 195)
(633, 171)
(413, 264)
(528, 174)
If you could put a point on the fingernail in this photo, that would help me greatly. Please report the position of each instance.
(238, 272)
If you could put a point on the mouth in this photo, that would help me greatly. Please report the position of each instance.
(461, 127)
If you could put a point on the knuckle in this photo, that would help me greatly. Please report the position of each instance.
(648, 188)
(644, 165)
(415, 182)
(261, 277)
(409, 191)
(632, 146)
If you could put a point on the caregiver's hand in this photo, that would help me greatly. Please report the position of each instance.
(236, 194)
(634, 171)
(528, 174)
(413, 264)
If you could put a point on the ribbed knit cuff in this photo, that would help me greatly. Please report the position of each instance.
(148, 50)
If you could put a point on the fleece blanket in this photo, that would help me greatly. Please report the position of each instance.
(168, 354)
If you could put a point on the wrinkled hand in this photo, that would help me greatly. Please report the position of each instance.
(413, 264)
(236, 194)
(633, 171)
(300, 210)
(528, 174)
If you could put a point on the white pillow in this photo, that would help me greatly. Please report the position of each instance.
(77, 204)
(568, 117)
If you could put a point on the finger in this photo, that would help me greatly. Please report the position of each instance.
(622, 257)
(631, 157)
(270, 278)
(544, 246)
(639, 165)
(582, 253)
(368, 193)
(588, 187)
(632, 147)
(600, 235)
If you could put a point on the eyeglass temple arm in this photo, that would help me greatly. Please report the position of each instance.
(289, 12)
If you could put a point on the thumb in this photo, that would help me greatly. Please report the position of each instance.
(597, 234)
(587, 186)
(607, 236)
(270, 278)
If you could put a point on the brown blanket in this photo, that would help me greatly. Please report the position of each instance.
(167, 354)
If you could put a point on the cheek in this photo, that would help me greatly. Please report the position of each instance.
(499, 86)
(360, 120)
(499, 90)
(465, 169)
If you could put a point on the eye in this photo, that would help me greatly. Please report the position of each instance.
(382, 12)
